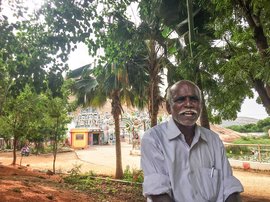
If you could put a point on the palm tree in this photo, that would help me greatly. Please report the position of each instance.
(178, 16)
(153, 55)
(95, 86)
(154, 68)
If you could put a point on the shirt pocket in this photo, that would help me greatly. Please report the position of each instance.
(208, 181)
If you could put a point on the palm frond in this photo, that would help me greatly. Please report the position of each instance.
(76, 73)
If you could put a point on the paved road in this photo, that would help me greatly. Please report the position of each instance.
(101, 160)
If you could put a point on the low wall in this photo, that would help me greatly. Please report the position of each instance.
(249, 165)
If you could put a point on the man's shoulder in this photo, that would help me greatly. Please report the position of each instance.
(156, 130)
(206, 130)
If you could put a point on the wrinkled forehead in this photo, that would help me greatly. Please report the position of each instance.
(185, 89)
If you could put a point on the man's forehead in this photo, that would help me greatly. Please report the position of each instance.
(184, 88)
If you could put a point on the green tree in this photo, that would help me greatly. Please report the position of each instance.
(56, 120)
(29, 59)
(109, 82)
(264, 125)
(183, 24)
(245, 28)
(105, 27)
(206, 66)
(20, 114)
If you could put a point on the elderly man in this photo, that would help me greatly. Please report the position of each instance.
(182, 161)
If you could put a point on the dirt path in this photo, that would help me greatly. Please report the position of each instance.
(256, 184)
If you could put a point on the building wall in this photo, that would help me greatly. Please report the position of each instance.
(79, 138)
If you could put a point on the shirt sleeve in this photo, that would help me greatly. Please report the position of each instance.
(156, 179)
(230, 183)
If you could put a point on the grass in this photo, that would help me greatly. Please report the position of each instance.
(106, 188)
(253, 140)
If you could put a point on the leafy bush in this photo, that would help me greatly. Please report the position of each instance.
(133, 176)
(76, 170)
(248, 128)
(237, 150)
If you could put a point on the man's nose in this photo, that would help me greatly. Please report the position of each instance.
(188, 102)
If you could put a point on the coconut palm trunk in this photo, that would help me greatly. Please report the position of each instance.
(116, 112)
(204, 116)
(154, 92)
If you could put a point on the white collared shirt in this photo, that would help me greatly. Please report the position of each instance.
(197, 173)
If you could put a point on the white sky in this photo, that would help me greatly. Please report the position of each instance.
(253, 110)
(79, 57)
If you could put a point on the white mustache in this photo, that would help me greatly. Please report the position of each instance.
(188, 110)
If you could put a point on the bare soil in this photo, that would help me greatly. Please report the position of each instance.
(25, 185)
(21, 184)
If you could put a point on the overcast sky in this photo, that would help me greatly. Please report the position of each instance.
(251, 109)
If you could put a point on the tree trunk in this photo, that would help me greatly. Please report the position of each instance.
(55, 143)
(254, 22)
(259, 87)
(154, 69)
(204, 121)
(116, 112)
(119, 169)
(204, 115)
(54, 159)
(15, 141)
(154, 104)
(54, 154)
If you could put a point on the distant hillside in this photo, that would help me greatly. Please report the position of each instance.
(239, 121)
(225, 134)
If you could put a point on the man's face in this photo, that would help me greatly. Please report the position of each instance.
(185, 106)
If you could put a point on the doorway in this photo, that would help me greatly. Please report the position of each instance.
(95, 139)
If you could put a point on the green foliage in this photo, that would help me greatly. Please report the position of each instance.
(75, 171)
(133, 175)
(264, 124)
(254, 149)
(234, 150)
(106, 188)
(253, 140)
(248, 128)
(246, 42)
(260, 126)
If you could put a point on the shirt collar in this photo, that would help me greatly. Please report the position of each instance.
(173, 131)
(201, 134)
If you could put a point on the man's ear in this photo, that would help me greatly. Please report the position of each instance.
(168, 107)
